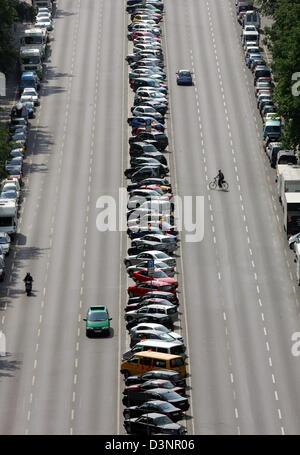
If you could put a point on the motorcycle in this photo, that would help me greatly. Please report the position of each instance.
(28, 287)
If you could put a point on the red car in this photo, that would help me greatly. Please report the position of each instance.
(263, 79)
(147, 286)
(142, 275)
(241, 16)
(139, 34)
(153, 384)
(15, 176)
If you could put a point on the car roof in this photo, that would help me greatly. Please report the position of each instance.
(156, 305)
(97, 308)
(154, 415)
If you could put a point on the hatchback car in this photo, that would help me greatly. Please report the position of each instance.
(97, 321)
(184, 77)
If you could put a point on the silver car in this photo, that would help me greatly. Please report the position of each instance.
(5, 242)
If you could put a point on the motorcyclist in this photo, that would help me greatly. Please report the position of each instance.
(28, 278)
(220, 178)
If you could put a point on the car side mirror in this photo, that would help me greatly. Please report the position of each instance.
(84, 319)
(295, 260)
(109, 319)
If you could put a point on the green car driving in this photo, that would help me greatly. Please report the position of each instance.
(97, 321)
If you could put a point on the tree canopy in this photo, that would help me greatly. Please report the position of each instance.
(283, 39)
(11, 11)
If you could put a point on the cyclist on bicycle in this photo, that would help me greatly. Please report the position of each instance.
(220, 178)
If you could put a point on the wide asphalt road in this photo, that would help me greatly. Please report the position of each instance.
(238, 289)
(239, 282)
(54, 380)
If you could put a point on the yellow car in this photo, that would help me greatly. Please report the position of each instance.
(271, 116)
(141, 17)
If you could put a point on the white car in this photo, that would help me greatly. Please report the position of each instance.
(294, 239)
(44, 23)
(13, 180)
(157, 327)
(10, 187)
(250, 28)
(27, 99)
(5, 242)
(42, 15)
(44, 10)
(33, 93)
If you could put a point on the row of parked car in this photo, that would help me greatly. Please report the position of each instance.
(22, 111)
(285, 161)
(249, 18)
(154, 368)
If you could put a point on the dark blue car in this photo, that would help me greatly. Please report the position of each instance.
(140, 122)
(184, 77)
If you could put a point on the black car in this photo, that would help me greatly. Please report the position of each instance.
(153, 423)
(159, 140)
(156, 155)
(162, 407)
(135, 398)
(171, 375)
(140, 148)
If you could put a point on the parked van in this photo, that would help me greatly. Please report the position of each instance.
(144, 361)
(288, 179)
(272, 129)
(251, 18)
(167, 347)
(250, 36)
(291, 213)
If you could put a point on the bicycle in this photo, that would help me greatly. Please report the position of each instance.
(214, 184)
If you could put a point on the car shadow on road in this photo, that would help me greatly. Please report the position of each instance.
(8, 366)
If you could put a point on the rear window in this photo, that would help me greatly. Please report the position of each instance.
(287, 159)
(176, 362)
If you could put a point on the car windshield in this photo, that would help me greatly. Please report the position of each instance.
(162, 329)
(167, 385)
(97, 316)
(8, 195)
(163, 420)
(184, 73)
(159, 275)
(3, 240)
(162, 256)
(166, 337)
(170, 395)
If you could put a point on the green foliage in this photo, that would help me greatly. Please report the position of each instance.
(283, 40)
(4, 149)
(267, 7)
(11, 11)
